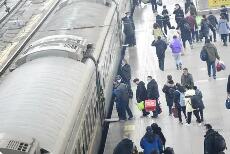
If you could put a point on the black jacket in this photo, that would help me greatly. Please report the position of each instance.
(209, 142)
(169, 89)
(125, 146)
(200, 96)
(176, 98)
(179, 14)
(157, 130)
(152, 90)
(161, 46)
(141, 92)
(125, 73)
(228, 85)
(159, 20)
(212, 20)
(128, 25)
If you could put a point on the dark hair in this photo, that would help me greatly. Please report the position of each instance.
(210, 12)
(185, 69)
(188, 86)
(156, 25)
(135, 80)
(164, 6)
(174, 36)
(159, 37)
(204, 16)
(195, 87)
(169, 77)
(208, 126)
(149, 77)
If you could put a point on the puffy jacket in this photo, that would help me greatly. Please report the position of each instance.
(169, 89)
(188, 102)
(125, 73)
(209, 142)
(211, 51)
(125, 146)
(151, 142)
(187, 80)
(161, 46)
(141, 92)
(176, 46)
(121, 93)
(212, 20)
(223, 27)
(152, 90)
(205, 27)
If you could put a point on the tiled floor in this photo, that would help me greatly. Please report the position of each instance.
(143, 61)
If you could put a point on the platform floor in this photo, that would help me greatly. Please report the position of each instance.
(143, 61)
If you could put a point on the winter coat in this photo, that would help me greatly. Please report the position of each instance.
(209, 142)
(212, 20)
(176, 46)
(152, 90)
(159, 20)
(228, 85)
(179, 14)
(121, 93)
(151, 142)
(157, 130)
(185, 33)
(211, 51)
(169, 89)
(205, 27)
(125, 73)
(188, 102)
(158, 32)
(161, 46)
(141, 92)
(128, 26)
(223, 27)
(199, 94)
(192, 22)
(187, 80)
(125, 146)
(166, 18)
(176, 98)
(193, 10)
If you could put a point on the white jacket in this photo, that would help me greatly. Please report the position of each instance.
(188, 103)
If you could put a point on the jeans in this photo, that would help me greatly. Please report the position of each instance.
(224, 37)
(183, 109)
(196, 113)
(154, 6)
(214, 33)
(211, 66)
(177, 58)
(122, 107)
(161, 63)
(170, 110)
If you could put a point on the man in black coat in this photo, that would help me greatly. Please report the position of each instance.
(161, 47)
(157, 130)
(141, 93)
(179, 13)
(153, 94)
(154, 5)
(125, 146)
(213, 24)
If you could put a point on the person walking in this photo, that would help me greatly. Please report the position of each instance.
(151, 142)
(213, 24)
(179, 13)
(179, 100)
(205, 28)
(193, 26)
(122, 99)
(177, 48)
(141, 94)
(153, 94)
(190, 92)
(169, 89)
(161, 47)
(185, 32)
(192, 9)
(201, 103)
(186, 78)
(154, 5)
(214, 143)
(125, 146)
(166, 19)
(223, 29)
(157, 130)
(211, 58)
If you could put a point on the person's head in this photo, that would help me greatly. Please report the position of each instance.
(222, 16)
(174, 37)
(123, 62)
(169, 77)
(207, 41)
(188, 87)
(136, 81)
(210, 12)
(154, 126)
(149, 129)
(204, 16)
(159, 37)
(177, 6)
(185, 71)
(155, 26)
(173, 27)
(223, 6)
(195, 87)
(192, 14)
(149, 78)
(164, 7)
(127, 13)
(208, 127)
(117, 79)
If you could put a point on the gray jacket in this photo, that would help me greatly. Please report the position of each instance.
(223, 27)
(187, 80)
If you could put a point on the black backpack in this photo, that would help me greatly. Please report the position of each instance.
(195, 101)
(219, 142)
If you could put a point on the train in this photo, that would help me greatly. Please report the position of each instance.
(57, 97)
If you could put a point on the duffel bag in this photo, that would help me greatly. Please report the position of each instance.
(227, 103)
(150, 105)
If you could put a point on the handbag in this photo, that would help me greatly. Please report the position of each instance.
(175, 112)
(150, 105)
(141, 105)
(227, 103)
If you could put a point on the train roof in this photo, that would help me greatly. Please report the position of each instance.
(40, 99)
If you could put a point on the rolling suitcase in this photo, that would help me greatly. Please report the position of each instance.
(150, 105)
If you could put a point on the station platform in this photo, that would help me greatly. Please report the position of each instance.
(143, 61)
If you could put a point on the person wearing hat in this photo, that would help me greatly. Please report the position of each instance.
(122, 99)
(169, 89)
(151, 142)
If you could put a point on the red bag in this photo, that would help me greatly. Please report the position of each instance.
(218, 67)
(150, 105)
(175, 112)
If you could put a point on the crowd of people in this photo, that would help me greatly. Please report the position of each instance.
(182, 98)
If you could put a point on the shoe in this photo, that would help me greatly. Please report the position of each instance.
(181, 123)
(130, 118)
(122, 120)
(200, 124)
(214, 77)
(187, 124)
(209, 75)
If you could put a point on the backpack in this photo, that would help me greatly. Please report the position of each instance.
(203, 55)
(219, 143)
(187, 26)
(195, 101)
